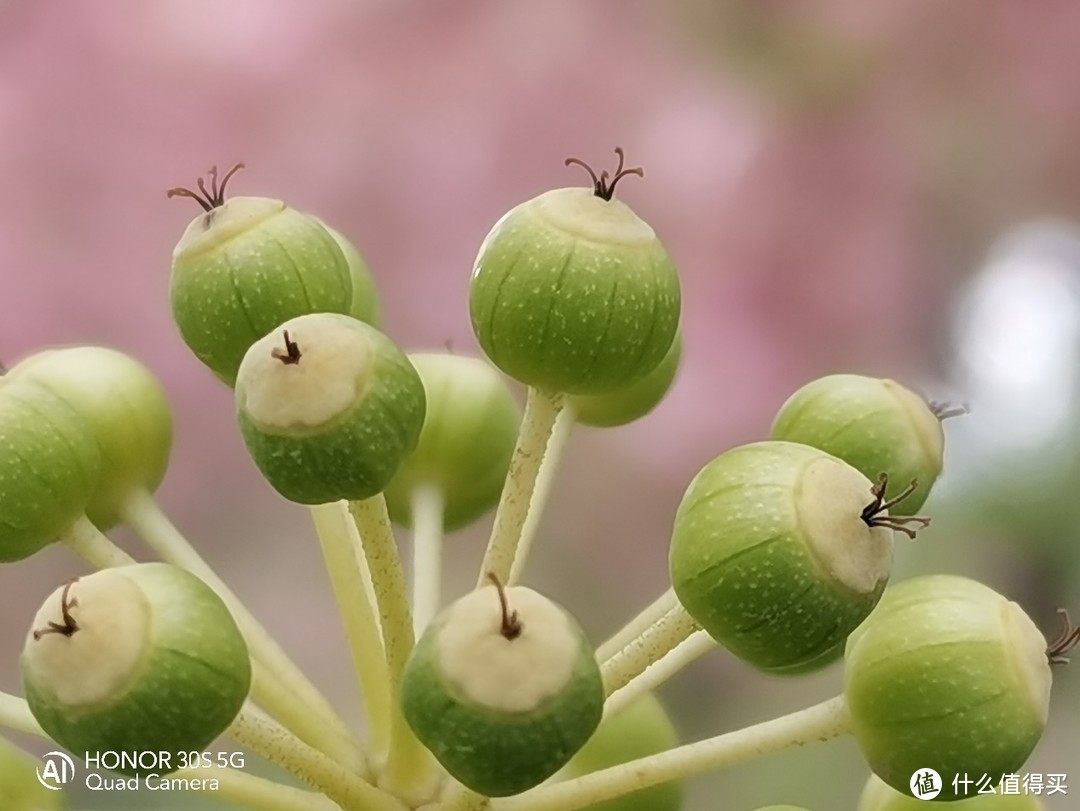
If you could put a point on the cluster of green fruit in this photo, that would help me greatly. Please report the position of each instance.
(781, 550)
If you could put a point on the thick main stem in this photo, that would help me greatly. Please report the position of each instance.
(294, 701)
(650, 646)
(541, 411)
(409, 768)
(349, 578)
(820, 722)
(427, 537)
(265, 737)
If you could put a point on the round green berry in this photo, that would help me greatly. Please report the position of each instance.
(365, 296)
(876, 426)
(641, 729)
(948, 675)
(779, 550)
(20, 787)
(631, 402)
(246, 265)
(572, 291)
(134, 659)
(50, 466)
(125, 408)
(504, 689)
(470, 429)
(328, 407)
(878, 796)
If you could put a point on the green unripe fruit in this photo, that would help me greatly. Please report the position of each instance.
(876, 426)
(246, 265)
(641, 729)
(631, 402)
(949, 675)
(140, 658)
(877, 796)
(328, 408)
(20, 789)
(126, 410)
(504, 689)
(50, 466)
(470, 429)
(572, 291)
(365, 296)
(779, 550)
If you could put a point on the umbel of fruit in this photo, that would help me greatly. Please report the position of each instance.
(875, 425)
(470, 428)
(779, 551)
(139, 658)
(126, 411)
(503, 688)
(328, 408)
(572, 291)
(244, 266)
(948, 675)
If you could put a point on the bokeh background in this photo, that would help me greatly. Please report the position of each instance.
(886, 188)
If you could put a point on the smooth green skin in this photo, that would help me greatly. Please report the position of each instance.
(365, 296)
(495, 753)
(877, 796)
(930, 682)
(355, 455)
(125, 408)
(632, 402)
(195, 675)
(740, 566)
(875, 425)
(572, 311)
(19, 786)
(639, 730)
(470, 429)
(50, 465)
(228, 292)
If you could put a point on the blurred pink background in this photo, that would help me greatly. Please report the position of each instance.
(823, 173)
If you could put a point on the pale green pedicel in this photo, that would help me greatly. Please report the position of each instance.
(20, 788)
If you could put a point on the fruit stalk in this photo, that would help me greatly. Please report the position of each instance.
(820, 722)
(427, 536)
(689, 650)
(541, 412)
(652, 645)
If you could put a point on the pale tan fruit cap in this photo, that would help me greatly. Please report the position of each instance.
(507, 675)
(218, 225)
(98, 661)
(580, 212)
(335, 366)
(1027, 646)
(927, 426)
(829, 499)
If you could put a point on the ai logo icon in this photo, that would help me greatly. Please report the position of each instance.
(58, 770)
(925, 784)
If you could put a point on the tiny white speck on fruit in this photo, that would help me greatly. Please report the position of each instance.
(335, 364)
(507, 675)
(97, 661)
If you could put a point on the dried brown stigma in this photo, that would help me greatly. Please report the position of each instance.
(875, 513)
(1058, 650)
(290, 355)
(944, 410)
(211, 198)
(604, 185)
(69, 626)
(511, 625)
